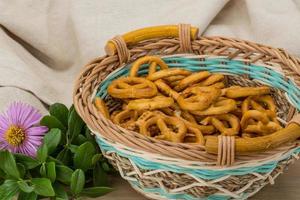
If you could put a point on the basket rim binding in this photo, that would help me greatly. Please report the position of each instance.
(94, 73)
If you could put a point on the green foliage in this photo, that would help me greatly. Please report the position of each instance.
(68, 165)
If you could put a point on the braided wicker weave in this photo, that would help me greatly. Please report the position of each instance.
(165, 170)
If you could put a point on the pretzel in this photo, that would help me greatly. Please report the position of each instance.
(167, 73)
(174, 78)
(150, 104)
(238, 92)
(174, 83)
(205, 129)
(256, 115)
(188, 119)
(222, 106)
(191, 79)
(101, 106)
(194, 135)
(132, 87)
(153, 60)
(263, 129)
(211, 80)
(202, 98)
(126, 119)
(267, 101)
(232, 120)
(166, 132)
(163, 87)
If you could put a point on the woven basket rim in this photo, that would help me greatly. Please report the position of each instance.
(89, 79)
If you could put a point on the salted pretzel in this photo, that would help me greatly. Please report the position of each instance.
(222, 106)
(194, 135)
(255, 115)
(167, 73)
(126, 119)
(154, 61)
(191, 79)
(268, 106)
(237, 92)
(188, 119)
(171, 79)
(263, 129)
(164, 88)
(166, 132)
(217, 121)
(101, 106)
(132, 87)
(211, 80)
(150, 104)
(198, 98)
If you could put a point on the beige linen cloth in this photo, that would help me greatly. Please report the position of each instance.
(44, 44)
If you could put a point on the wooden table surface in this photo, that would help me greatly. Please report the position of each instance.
(287, 187)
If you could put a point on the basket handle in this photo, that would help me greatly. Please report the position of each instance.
(139, 35)
(244, 146)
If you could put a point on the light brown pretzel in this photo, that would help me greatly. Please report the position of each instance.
(154, 61)
(191, 79)
(237, 92)
(218, 122)
(132, 87)
(101, 106)
(162, 122)
(222, 106)
(150, 104)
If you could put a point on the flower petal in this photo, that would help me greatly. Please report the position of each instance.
(37, 130)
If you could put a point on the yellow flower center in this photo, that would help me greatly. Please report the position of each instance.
(15, 135)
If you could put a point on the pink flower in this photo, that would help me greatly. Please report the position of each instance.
(20, 131)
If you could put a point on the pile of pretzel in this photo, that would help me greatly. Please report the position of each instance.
(178, 105)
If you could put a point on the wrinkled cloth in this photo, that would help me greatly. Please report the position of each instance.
(44, 44)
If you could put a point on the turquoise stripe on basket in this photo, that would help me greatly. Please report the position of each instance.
(167, 195)
(220, 65)
(206, 174)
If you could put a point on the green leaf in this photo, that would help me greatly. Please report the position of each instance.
(51, 159)
(27, 196)
(42, 186)
(8, 189)
(79, 139)
(52, 122)
(77, 181)
(2, 174)
(60, 111)
(21, 169)
(63, 174)
(24, 186)
(52, 139)
(83, 156)
(8, 164)
(42, 153)
(73, 148)
(70, 111)
(95, 191)
(100, 177)
(65, 156)
(96, 158)
(51, 172)
(105, 166)
(60, 192)
(43, 171)
(27, 161)
(75, 124)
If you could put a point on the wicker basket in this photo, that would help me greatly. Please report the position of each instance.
(220, 169)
